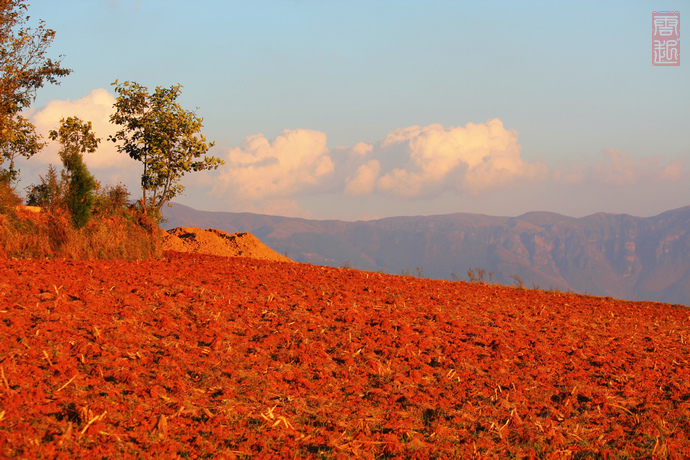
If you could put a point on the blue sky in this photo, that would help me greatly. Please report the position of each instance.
(364, 109)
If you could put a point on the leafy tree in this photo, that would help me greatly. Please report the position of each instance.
(76, 138)
(20, 140)
(24, 68)
(164, 137)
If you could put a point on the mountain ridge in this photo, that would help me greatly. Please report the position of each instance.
(618, 255)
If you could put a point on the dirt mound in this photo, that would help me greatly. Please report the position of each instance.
(218, 243)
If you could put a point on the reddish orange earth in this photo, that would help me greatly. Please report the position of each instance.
(218, 243)
(200, 356)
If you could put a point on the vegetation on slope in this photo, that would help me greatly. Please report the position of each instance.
(115, 230)
(78, 218)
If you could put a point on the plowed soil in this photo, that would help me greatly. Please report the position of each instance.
(199, 356)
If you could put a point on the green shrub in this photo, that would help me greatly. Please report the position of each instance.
(80, 192)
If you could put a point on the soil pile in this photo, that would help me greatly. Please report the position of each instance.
(218, 243)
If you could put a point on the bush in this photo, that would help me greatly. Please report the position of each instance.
(80, 192)
(111, 200)
(49, 193)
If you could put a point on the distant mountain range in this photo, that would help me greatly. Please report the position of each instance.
(613, 255)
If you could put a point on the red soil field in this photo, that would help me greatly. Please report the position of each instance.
(200, 356)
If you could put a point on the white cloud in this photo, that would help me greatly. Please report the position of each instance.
(617, 168)
(572, 175)
(362, 148)
(364, 180)
(473, 158)
(412, 162)
(259, 169)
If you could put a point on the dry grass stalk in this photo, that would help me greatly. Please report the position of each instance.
(92, 421)
(68, 382)
(45, 353)
(4, 379)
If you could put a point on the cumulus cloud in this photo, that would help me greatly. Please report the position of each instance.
(259, 169)
(573, 174)
(408, 163)
(362, 148)
(297, 169)
(364, 180)
(617, 168)
(473, 158)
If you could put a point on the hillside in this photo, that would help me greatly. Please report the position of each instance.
(199, 356)
(603, 254)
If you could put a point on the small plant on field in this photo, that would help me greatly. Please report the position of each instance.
(518, 281)
(418, 272)
(476, 275)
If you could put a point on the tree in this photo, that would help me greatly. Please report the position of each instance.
(76, 138)
(24, 68)
(20, 140)
(164, 137)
